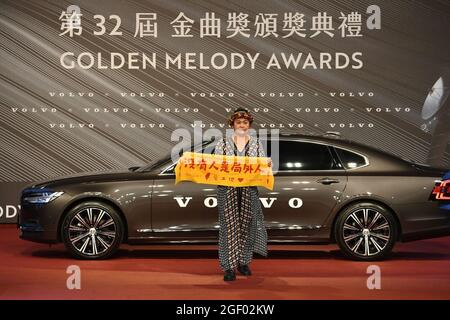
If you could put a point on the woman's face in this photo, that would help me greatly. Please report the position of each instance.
(241, 126)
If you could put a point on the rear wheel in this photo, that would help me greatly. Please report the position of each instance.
(366, 231)
(92, 230)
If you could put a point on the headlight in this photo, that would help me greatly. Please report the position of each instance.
(41, 196)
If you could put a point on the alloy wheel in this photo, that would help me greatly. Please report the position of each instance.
(366, 232)
(92, 231)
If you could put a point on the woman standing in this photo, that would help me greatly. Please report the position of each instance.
(242, 230)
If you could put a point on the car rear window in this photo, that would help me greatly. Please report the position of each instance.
(349, 159)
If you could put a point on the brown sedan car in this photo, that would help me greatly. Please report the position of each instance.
(326, 190)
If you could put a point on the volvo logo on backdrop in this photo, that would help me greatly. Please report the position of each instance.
(9, 211)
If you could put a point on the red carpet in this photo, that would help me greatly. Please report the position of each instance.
(416, 270)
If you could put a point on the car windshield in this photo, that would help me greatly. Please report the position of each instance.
(167, 158)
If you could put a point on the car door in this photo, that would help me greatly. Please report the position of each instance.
(185, 206)
(308, 184)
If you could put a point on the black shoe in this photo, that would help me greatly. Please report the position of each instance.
(229, 275)
(245, 270)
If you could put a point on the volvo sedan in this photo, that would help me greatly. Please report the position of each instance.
(327, 190)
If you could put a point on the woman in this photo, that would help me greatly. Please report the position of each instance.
(242, 230)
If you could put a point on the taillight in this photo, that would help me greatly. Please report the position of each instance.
(441, 190)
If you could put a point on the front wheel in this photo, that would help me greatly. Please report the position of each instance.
(366, 231)
(92, 230)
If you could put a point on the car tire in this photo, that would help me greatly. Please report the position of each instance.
(366, 231)
(92, 230)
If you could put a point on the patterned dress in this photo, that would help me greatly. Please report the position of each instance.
(242, 229)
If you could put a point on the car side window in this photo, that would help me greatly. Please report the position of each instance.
(350, 160)
(298, 155)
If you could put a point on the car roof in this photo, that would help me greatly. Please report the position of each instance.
(337, 140)
(332, 138)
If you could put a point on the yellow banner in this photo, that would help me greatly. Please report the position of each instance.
(233, 171)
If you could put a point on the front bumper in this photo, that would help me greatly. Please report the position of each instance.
(36, 234)
(40, 223)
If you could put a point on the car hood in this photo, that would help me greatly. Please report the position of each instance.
(85, 177)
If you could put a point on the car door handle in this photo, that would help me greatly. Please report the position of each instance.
(327, 181)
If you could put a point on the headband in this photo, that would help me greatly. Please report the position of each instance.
(240, 114)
